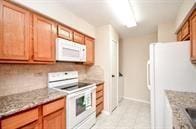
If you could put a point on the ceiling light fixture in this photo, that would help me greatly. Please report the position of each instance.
(124, 12)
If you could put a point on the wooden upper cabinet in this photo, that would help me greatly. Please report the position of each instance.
(78, 37)
(90, 50)
(179, 36)
(193, 36)
(14, 33)
(55, 120)
(44, 39)
(65, 33)
(185, 31)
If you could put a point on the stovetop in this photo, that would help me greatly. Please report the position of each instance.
(74, 86)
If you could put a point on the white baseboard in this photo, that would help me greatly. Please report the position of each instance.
(137, 100)
(106, 112)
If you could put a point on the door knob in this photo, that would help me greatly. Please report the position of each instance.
(113, 75)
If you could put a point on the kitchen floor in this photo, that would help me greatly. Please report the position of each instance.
(128, 115)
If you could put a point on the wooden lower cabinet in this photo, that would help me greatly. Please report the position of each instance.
(99, 99)
(36, 119)
(33, 125)
(55, 120)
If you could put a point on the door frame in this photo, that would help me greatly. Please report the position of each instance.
(110, 87)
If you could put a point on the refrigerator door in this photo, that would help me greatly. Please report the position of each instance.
(152, 85)
(172, 70)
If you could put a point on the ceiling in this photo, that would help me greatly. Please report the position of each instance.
(148, 13)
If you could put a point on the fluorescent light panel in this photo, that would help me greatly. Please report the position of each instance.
(123, 11)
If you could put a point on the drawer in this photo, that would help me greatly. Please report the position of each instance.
(99, 88)
(99, 100)
(99, 108)
(53, 106)
(99, 94)
(20, 120)
(185, 30)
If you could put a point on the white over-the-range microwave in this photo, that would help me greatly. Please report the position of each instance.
(70, 51)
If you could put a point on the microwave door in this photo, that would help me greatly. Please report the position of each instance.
(68, 53)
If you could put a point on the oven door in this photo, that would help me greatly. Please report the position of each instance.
(80, 106)
(67, 51)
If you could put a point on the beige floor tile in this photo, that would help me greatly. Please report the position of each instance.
(128, 115)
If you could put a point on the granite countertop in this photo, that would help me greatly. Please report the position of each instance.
(97, 82)
(19, 102)
(179, 101)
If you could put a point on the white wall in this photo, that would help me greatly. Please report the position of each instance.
(166, 32)
(104, 36)
(57, 12)
(134, 54)
(184, 10)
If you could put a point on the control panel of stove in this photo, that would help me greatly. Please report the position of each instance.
(58, 76)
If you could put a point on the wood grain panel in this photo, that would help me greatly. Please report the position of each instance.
(55, 120)
(90, 51)
(33, 125)
(14, 32)
(44, 39)
(20, 120)
(53, 106)
(99, 88)
(78, 37)
(193, 36)
(65, 32)
(99, 108)
(99, 94)
(99, 100)
(185, 30)
(179, 36)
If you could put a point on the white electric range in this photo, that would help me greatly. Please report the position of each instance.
(80, 101)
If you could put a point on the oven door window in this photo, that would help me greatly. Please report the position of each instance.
(80, 105)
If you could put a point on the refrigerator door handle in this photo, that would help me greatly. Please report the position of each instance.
(148, 75)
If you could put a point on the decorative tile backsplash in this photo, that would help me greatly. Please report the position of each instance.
(17, 78)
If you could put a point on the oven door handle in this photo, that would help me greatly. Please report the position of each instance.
(82, 92)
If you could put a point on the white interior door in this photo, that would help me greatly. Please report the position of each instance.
(114, 74)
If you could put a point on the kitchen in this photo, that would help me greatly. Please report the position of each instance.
(60, 64)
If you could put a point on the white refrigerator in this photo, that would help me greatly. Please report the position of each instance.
(169, 67)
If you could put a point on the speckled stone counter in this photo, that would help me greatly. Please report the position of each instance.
(19, 102)
(179, 101)
(97, 82)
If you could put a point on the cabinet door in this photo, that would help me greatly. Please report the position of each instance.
(90, 50)
(65, 33)
(33, 125)
(179, 36)
(44, 39)
(14, 33)
(193, 36)
(185, 31)
(55, 120)
(79, 38)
